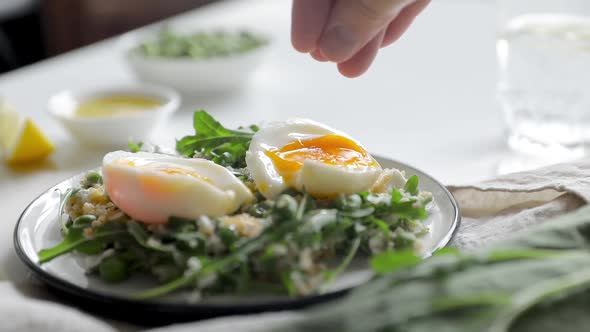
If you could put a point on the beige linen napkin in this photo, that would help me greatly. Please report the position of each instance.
(496, 209)
(492, 210)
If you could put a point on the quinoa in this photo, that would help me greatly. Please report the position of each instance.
(92, 201)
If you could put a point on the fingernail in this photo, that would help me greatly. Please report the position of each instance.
(338, 43)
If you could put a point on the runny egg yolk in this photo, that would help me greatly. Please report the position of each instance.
(331, 149)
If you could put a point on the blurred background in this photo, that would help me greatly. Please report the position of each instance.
(31, 30)
(505, 77)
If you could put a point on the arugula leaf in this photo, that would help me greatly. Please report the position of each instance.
(411, 185)
(411, 209)
(206, 125)
(288, 284)
(206, 145)
(75, 239)
(215, 142)
(135, 147)
(396, 196)
(446, 251)
(391, 261)
(382, 225)
(332, 275)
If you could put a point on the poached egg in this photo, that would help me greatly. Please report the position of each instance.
(152, 187)
(311, 157)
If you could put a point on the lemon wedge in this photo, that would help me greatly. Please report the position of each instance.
(20, 139)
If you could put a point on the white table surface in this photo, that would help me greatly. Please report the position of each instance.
(429, 100)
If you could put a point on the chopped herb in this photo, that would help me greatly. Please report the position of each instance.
(135, 147)
(200, 45)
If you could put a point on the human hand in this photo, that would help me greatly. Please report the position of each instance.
(350, 32)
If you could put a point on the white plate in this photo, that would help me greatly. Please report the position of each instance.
(37, 229)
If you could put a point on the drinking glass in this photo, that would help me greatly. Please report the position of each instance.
(543, 51)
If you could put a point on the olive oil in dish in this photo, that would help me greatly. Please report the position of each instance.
(116, 105)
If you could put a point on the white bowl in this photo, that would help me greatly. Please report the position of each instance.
(194, 76)
(115, 131)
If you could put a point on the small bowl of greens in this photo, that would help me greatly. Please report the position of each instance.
(206, 61)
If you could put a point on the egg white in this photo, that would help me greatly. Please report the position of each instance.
(152, 187)
(315, 177)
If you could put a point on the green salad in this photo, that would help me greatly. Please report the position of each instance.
(293, 243)
(201, 45)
